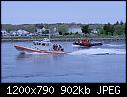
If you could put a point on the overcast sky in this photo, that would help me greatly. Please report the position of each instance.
(31, 12)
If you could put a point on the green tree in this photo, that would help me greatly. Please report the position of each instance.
(46, 32)
(117, 23)
(39, 26)
(60, 33)
(112, 30)
(76, 33)
(119, 29)
(70, 33)
(62, 29)
(101, 31)
(121, 22)
(105, 28)
(85, 29)
(66, 33)
(109, 29)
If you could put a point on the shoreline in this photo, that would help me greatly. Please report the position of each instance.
(65, 39)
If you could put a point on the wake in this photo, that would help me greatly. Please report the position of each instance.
(113, 45)
(98, 51)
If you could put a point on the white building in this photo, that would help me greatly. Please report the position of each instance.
(41, 30)
(19, 33)
(94, 31)
(75, 29)
(22, 32)
(4, 33)
(13, 33)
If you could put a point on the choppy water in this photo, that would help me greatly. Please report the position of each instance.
(99, 64)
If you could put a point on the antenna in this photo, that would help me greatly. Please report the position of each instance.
(49, 34)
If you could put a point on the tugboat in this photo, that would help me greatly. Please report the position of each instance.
(85, 43)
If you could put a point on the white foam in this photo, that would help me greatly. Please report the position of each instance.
(35, 53)
(77, 45)
(95, 51)
(113, 45)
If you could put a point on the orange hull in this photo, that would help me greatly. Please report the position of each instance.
(25, 49)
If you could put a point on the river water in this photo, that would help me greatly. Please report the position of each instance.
(100, 64)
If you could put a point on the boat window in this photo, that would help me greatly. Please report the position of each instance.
(39, 43)
(47, 44)
(34, 43)
(43, 44)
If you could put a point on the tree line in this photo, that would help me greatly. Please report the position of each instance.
(107, 29)
(117, 28)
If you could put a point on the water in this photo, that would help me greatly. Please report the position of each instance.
(100, 64)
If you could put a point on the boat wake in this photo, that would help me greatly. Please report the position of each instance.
(98, 51)
(36, 53)
(113, 45)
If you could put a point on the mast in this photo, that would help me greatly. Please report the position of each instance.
(49, 35)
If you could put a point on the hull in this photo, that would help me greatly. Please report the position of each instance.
(30, 50)
(87, 45)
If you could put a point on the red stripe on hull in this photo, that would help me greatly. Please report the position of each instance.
(21, 48)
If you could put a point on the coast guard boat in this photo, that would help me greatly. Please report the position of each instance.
(44, 47)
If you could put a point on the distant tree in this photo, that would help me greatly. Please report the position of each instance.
(109, 29)
(101, 31)
(76, 33)
(66, 33)
(112, 29)
(117, 23)
(39, 26)
(70, 33)
(119, 29)
(46, 32)
(60, 33)
(62, 29)
(85, 29)
(121, 22)
(105, 29)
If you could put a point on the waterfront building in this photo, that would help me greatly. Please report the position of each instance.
(4, 33)
(75, 29)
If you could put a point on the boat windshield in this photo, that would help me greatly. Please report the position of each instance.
(41, 43)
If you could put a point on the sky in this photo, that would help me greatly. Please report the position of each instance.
(32, 12)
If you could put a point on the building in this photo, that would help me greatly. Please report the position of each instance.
(55, 34)
(41, 30)
(94, 31)
(22, 32)
(19, 33)
(13, 33)
(4, 33)
(74, 29)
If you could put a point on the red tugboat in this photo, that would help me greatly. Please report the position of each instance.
(86, 43)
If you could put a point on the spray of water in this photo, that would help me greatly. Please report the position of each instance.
(98, 51)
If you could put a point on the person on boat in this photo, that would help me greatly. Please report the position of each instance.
(59, 47)
(78, 41)
(86, 42)
(55, 47)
